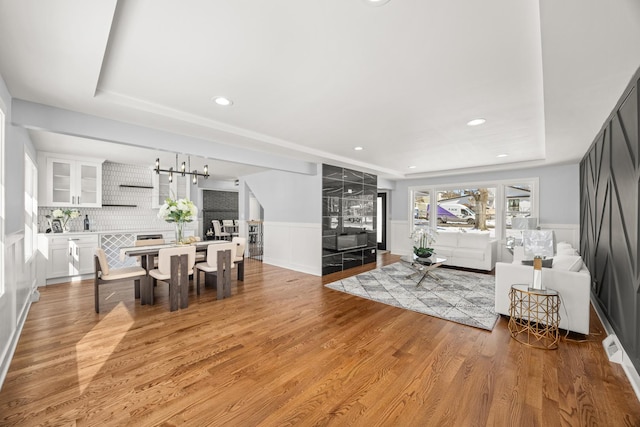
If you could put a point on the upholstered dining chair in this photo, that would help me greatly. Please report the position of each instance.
(104, 274)
(217, 231)
(176, 276)
(229, 226)
(147, 242)
(219, 263)
(238, 259)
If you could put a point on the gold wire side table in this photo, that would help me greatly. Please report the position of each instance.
(534, 316)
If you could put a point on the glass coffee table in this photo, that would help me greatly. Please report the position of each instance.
(424, 266)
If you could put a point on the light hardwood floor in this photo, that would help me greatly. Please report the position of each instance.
(284, 350)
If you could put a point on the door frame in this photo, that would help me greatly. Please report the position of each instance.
(383, 215)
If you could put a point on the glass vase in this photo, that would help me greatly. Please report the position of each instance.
(179, 232)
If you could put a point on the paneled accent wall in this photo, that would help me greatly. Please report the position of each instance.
(348, 218)
(610, 216)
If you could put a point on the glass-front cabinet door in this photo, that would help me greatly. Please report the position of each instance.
(89, 188)
(60, 174)
(73, 183)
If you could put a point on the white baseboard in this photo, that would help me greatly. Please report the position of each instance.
(615, 351)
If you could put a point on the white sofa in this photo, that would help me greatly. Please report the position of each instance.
(471, 249)
(568, 275)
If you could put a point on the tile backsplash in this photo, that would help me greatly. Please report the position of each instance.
(117, 218)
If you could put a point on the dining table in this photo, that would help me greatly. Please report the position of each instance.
(148, 255)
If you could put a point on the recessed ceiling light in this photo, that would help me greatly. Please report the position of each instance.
(476, 122)
(221, 100)
(502, 155)
(376, 2)
(358, 148)
(412, 167)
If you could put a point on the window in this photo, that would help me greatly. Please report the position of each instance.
(467, 208)
(30, 208)
(487, 206)
(518, 199)
(421, 200)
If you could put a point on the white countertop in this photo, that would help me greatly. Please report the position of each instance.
(85, 233)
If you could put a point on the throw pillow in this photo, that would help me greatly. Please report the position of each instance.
(567, 262)
(563, 245)
(567, 251)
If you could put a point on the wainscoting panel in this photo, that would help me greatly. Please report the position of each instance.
(16, 299)
(296, 246)
(610, 219)
(398, 240)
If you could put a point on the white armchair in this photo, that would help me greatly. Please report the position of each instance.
(568, 276)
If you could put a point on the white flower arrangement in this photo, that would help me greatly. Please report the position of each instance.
(181, 210)
(423, 239)
(64, 215)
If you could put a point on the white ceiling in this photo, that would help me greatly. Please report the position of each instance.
(313, 79)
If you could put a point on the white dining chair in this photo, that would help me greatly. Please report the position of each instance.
(229, 226)
(219, 263)
(238, 259)
(217, 231)
(176, 275)
(148, 242)
(104, 274)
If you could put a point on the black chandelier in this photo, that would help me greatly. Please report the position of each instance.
(185, 169)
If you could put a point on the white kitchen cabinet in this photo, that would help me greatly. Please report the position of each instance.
(70, 255)
(73, 183)
(180, 188)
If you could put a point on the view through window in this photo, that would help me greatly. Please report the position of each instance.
(517, 202)
(481, 207)
(462, 208)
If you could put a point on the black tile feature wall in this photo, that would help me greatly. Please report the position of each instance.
(348, 218)
(218, 205)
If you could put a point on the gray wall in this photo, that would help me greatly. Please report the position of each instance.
(559, 191)
(288, 197)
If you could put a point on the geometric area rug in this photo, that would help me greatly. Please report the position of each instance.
(459, 296)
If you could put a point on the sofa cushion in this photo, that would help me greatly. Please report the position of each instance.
(445, 251)
(447, 239)
(567, 262)
(567, 251)
(469, 253)
(473, 240)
